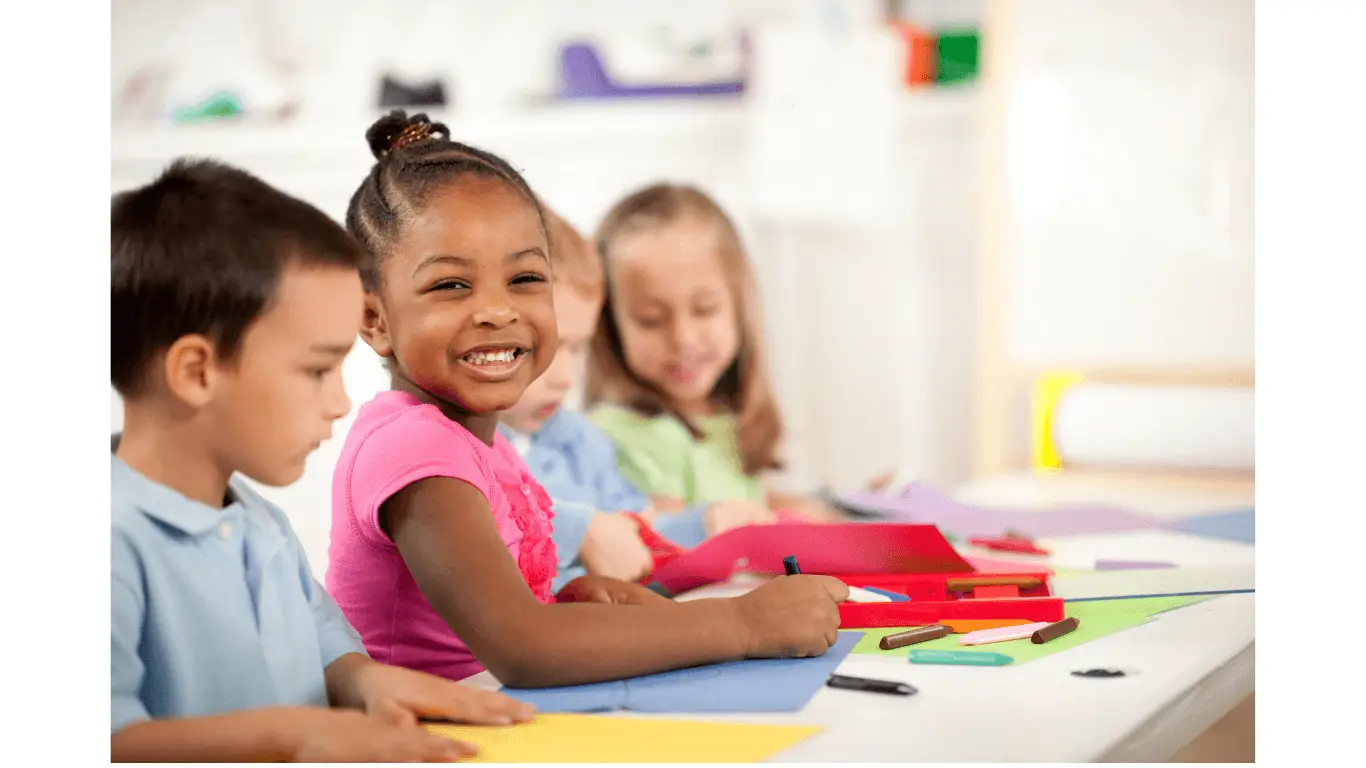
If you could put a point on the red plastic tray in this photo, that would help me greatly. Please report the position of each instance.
(931, 600)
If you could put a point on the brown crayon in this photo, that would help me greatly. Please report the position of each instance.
(913, 636)
(1055, 630)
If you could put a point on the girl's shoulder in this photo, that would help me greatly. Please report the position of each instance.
(624, 424)
(396, 430)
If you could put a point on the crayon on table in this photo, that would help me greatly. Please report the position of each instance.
(912, 636)
(966, 658)
(1055, 630)
(964, 626)
(1002, 634)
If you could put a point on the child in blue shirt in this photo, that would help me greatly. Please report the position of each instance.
(233, 306)
(577, 463)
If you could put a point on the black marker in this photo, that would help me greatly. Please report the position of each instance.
(790, 565)
(872, 686)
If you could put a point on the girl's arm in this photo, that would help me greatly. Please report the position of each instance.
(445, 532)
(804, 506)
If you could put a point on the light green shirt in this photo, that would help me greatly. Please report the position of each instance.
(660, 456)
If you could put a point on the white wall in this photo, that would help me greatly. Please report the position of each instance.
(1130, 130)
(869, 328)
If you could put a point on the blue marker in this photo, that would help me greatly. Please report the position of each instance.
(790, 565)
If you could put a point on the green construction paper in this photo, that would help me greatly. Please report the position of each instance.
(1096, 620)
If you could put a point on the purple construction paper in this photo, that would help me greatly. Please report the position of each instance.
(919, 503)
(583, 76)
(1131, 565)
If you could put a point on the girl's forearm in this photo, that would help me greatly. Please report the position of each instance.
(578, 643)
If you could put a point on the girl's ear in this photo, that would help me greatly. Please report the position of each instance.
(374, 327)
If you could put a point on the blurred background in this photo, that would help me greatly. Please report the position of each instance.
(957, 209)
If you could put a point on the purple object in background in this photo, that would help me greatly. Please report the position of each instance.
(583, 76)
(1130, 565)
(919, 503)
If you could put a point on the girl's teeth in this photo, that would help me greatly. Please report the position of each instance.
(491, 358)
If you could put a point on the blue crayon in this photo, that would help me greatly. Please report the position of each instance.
(790, 565)
(968, 658)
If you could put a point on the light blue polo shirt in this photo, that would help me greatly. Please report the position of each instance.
(576, 463)
(213, 610)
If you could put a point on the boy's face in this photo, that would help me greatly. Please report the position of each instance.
(276, 402)
(577, 319)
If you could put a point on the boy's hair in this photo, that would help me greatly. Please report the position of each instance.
(201, 250)
(414, 158)
(573, 260)
(744, 387)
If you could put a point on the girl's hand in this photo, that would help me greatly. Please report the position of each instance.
(725, 515)
(668, 504)
(348, 736)
(814, 511)
(600, 589)
(612, 548)
(792, 616)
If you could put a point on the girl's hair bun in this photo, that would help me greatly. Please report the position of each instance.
(397, 130)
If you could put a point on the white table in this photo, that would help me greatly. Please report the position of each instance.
(1188, 668)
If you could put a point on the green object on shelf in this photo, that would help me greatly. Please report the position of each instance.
(956, 55)
(217, 106)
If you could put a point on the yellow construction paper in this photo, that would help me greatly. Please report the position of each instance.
(597, 739)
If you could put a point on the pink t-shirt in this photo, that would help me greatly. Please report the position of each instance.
(396, 441)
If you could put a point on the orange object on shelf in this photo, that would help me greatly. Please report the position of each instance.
(921, 53)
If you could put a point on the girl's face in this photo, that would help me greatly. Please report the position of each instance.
(465, 310)
(676, 312)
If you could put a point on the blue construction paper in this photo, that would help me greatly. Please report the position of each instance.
(1239, 525)
(755, 685)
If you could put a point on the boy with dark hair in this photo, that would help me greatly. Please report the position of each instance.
(233, 306)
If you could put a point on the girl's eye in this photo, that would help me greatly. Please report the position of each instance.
(649, 322)
(706, 311)
(449, 285)
(319, 373)
(528, 278)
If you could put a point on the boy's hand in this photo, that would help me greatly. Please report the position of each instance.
(600, 589)
(612, 548)
(725, 515)
(401, 697)
(792, 616)
(348, 736)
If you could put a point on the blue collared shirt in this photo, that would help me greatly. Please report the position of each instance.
(576, 463)
(213, 610)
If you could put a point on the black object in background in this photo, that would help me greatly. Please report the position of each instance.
(392, 93)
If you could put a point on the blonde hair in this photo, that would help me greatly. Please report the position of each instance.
(744, 388)
(575, 265)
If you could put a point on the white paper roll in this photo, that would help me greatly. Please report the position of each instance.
(1109, 425)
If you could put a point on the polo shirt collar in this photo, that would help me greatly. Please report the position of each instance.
(164, 504)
